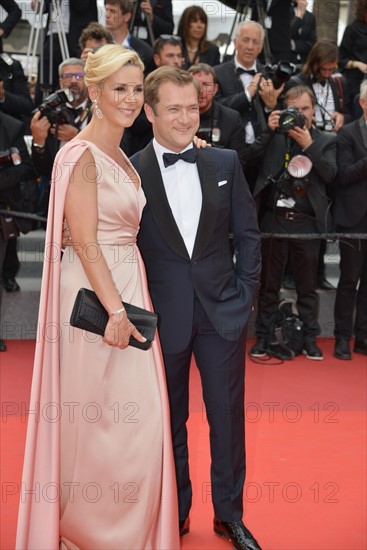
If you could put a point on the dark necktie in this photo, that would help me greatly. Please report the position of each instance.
(76, 112)
(171, 158)
(240, 71)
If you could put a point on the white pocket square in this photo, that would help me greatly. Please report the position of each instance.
(222, 183)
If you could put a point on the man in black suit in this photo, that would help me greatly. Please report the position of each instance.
(14, 14)
(219, 125)
(350, 215)
(75, 16)
(243, 87)
(293, 205)
(12, 172)
(195, 198)
(118, 17)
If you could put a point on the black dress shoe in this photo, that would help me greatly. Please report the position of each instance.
(184, 526)
(324, 284)
(360, 346)
(236, 533)
(260, 349)
(342, 349)
(11, 285)
(312, 351)
(2, 345)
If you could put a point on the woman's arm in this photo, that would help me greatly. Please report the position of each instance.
(81, 213)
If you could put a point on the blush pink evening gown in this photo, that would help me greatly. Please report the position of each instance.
(98, 470)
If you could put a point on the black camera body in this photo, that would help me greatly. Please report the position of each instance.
(290, 118)
(326, 125)
(280, 73)
(211, 135)
(55, 110)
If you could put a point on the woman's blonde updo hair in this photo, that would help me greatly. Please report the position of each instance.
(107, 60)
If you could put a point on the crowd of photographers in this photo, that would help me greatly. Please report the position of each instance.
(300, 137)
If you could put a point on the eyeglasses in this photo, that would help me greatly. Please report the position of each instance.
(70, 76)
(170, 37)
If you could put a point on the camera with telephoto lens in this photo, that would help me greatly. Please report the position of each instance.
(280, 73)
(55, 110)
(290, 118)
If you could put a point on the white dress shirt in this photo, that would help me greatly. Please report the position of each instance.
(183, 189)
(325, 105)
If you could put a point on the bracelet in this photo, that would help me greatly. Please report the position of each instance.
(117, 311)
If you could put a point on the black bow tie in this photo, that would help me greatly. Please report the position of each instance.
(171, 158)
(240, 71)
(76, 112)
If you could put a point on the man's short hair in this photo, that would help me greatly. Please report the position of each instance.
(245, 24)
(164, 39)
(126, 6)
(296, 92)
(203, 68)
(70, 61)
(161, 76)
(95, 31)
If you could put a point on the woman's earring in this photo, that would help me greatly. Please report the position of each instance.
(97, 109)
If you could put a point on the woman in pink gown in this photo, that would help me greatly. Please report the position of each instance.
(98, 471)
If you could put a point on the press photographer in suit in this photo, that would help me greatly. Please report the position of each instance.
(292, 202)
(195, 198)
(244, 87)
(350, 215)
(219, 125)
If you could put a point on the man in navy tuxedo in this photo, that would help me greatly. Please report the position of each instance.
(195, 199)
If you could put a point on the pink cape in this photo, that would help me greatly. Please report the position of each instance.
(39, 512)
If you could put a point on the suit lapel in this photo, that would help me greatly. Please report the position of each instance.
(363, 129)
(152, 183)
(209, 188)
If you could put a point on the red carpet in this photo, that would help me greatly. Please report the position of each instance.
(306, 452)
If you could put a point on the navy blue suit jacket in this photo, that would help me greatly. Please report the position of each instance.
(227, 290)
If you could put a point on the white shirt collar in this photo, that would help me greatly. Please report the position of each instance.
(237, 64)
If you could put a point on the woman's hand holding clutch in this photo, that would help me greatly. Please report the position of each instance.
(119, 329)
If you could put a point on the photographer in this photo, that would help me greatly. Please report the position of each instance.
(244, 86)
(290, 205)
(15, 167)
(57, 122)
(330, 90)
(219, 125)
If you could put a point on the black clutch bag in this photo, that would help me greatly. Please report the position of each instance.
(89, 314)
